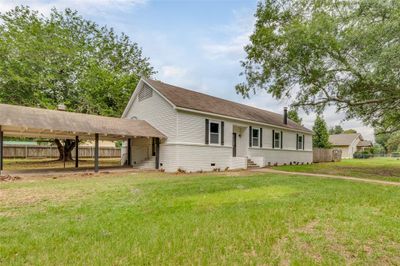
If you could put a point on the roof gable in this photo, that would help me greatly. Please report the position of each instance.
(344, 139)
(187, 99)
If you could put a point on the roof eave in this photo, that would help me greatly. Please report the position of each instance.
(310, 132)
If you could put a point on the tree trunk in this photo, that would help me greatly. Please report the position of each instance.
(68, 146)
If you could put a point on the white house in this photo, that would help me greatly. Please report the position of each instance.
(349, 143)
(207, 133)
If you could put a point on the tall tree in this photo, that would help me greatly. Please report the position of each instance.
(393, 142)
(336, 130)
(382, 139)
(320, 53)
(321, 137)
(64, 58)
(294, 116)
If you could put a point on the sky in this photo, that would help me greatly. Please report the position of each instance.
(196, 44)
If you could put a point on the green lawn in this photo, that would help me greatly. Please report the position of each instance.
(220, 219)
(375, 168)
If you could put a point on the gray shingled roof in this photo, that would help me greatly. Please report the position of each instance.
(27, 121)
(365, 143)
(188, 99)
(343, 139)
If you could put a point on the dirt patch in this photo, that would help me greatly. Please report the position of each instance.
(9, 178)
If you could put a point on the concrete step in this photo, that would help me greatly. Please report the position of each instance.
(251, 164)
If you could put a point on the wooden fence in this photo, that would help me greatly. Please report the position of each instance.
(326, 155)
(26, 151)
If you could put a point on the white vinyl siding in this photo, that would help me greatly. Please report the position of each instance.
(156, 111)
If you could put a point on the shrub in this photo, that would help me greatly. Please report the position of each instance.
(362, 155)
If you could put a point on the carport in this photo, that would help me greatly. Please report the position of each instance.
(21, 121)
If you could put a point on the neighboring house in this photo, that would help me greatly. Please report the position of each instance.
(349, 143)
(364, 145)
(206, 133)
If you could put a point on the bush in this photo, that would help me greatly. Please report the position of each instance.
(362, 155)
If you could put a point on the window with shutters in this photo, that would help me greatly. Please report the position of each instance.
(255, 137)
(277, 139)
(145, 93)
(300, 142)
(214, 132)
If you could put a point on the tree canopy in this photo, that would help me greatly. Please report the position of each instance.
(349, 131)
(336, 130)
(64, 58)
(321, 53)
(294, 116)
(321, 137)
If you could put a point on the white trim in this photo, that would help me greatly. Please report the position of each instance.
(243, 120)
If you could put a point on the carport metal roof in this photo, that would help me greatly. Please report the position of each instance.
(36, 122)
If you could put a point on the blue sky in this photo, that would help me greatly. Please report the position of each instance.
(193, 44)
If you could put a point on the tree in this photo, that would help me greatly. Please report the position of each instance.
(294, 116)
(336, 130)
(382, 140)
(321, 53)
(321, 137)
(349, 131)
(64, 58)
(393, 143)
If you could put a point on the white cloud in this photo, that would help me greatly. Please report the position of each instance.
(236, 35)
(84, 6)
(173, 72)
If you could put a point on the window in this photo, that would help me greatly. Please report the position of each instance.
(256, 137)
(277, 139)
(214, 133)
(300, 142)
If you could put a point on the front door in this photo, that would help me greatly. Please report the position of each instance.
(234, 144)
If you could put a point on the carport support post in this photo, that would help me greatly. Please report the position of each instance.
(129, 152)
(1, 150)
(96, 153)
(76, 152)
(157, 153)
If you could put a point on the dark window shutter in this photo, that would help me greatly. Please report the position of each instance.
(297, 141)
(207, 132)
(250, 134)
(304, 140)
(222, 133)
(281, 140)
(260, 137)
(273, 139)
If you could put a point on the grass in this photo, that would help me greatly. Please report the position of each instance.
(215, 218)
(26, 164)
(375, 168)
